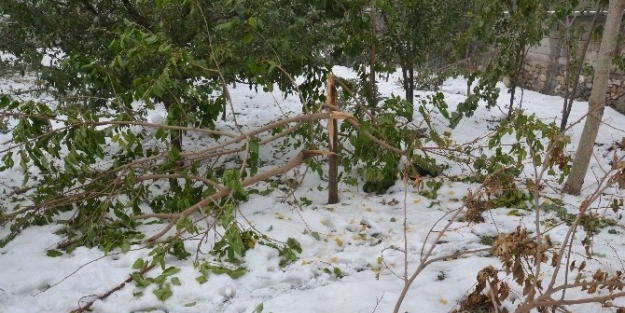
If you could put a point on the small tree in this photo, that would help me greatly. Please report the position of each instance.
(416, 31)
(596, 104)
(506, 30)
(575, 66)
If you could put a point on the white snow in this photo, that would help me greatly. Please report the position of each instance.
(362, 235)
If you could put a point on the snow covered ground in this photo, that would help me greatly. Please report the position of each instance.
(362, 236)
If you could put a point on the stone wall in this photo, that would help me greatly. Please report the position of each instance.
(545, 68)
(534, 77)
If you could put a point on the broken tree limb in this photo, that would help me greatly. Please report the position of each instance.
(297, 160)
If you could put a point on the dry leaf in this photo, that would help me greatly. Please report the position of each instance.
(517, 272)
(554, 259)
(578, 278)
(527, 288)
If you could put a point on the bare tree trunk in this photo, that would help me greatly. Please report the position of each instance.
(596, 104)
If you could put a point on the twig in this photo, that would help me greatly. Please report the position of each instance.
(87, 307)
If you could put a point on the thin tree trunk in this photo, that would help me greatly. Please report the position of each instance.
(567, 80)
(410, 91)
(404, 72)
(333, 159)
(226, 96)
(408, 76)
(372, 57)
(596, 103)
(568, 101)
(554, 66)
(514, 80)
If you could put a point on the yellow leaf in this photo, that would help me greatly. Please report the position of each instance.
(443, 301)
(451, 192)
(368, 209)
(417, 200)
(334, 259)
(338, 242)
(304, 262)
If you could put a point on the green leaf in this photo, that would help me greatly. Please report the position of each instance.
(139, 263)
(253, 21)
(201, 279)
(174, 154)
(338, 273)
(161, 134)
(163, 293)
(254, 156)
(54, 253)
(125, 246)
(175, 281)
(171, 271)
(224, 26)
(316, 236)
(247, 38)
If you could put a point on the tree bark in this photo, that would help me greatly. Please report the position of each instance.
(596, 104)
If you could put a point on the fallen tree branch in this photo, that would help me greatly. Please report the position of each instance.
(297, 160)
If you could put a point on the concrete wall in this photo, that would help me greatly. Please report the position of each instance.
(545, 68)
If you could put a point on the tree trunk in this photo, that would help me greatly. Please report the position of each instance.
(408, 77)
(333, 136)
(596, 104)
